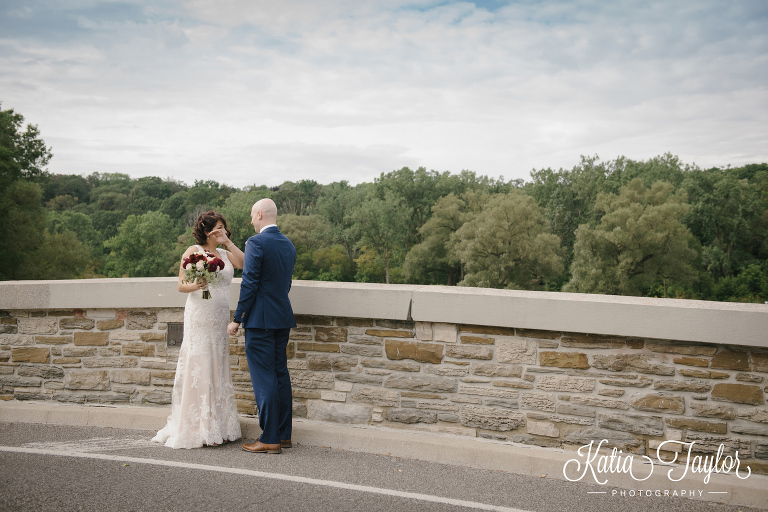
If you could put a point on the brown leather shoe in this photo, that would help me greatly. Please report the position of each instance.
(286, 443)
(259, 447)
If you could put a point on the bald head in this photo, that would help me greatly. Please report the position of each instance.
(263, 213)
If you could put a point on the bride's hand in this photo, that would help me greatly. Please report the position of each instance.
(219, 235)
(201, 283)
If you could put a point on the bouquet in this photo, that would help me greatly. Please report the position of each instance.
(202, 264)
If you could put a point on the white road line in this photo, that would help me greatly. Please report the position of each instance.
(95, 444)
(260, 474)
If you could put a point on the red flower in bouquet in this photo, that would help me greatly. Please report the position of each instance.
(203, 265)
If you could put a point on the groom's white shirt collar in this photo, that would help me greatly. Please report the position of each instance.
(267, 226)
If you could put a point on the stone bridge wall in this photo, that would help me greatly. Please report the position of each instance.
(553, 370)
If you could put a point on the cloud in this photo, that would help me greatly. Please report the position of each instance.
(347, 89)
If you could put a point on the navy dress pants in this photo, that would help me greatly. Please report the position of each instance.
(268, 364)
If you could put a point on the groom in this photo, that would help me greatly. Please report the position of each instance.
(265, 312)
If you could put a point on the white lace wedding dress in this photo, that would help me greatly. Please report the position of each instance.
(203, 410)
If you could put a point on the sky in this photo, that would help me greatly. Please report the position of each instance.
(259, 92)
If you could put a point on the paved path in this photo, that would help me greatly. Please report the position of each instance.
(57, 468)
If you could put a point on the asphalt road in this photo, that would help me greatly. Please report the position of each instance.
(61, 469)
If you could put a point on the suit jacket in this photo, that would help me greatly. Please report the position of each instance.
(267, 272)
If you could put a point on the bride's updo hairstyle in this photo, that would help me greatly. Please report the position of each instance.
(205, 224)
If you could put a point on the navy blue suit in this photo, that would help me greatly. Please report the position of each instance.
(265, 312)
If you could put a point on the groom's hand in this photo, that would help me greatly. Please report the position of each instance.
(232, 328)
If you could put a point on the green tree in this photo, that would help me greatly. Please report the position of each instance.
(639, 240)
(23, 154)
(296, 198)
(336, 204)
(143, 247)
(383, 224)
(307, 232)
(508, 244)
(430, 262)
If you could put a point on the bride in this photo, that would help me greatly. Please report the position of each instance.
(203, 411)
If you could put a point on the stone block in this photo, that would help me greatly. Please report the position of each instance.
(691, 361)
(42, 371)
(19, 340)
(694, 424)
(38, 325)
(501, 402)
(138, 320)
(354, 322)
(319, 362)
(401, 366)
(357, 378)
(485, 329)
(157, 396)
(153, 336)
(518, 384)
(318, 347)
(759, 362)
(361, 350)
(577, 340)
(633, 423)
(576, 410)
(704, 374)
(331, 334)
(739, 393)
(83, 379)
(337, 412)
(751, 429)
(333, 396)
(761, 450)
(445, 332)
(53, 340)
(731, 360)
(91, 338)
(660, 403)
(429, 384)
(76, 323)
(108, 351)
(446, 371)
(683, 385)
(137, 348)
(538, 334)
(593, 401)
(297, 364)
(377, 396)
(394, 324)
(170, 315)
(469, 352)
(542, 428)
(142, 377)
(415, 394)
(484, 391)
(477, 340)
(611, 392)
(361, 339)
(724, 412)
(563, 359)
(539, 401)
(30, 355)
(621, 441)
(516, 351)
(688, 349)
(415, 350)
(641, 363)
(344, 386)
(78, 352)
(749, 377)
(305, 393)
(411, 416)
(497, 370)
(491, 418)
(125, 336)
(313, 320)
(18, 381)
(111, 362)
(752, 414)
(565, 383)
(387, 333)
(710, 443)
(423, 331)
(343, 363)
(311, 380)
